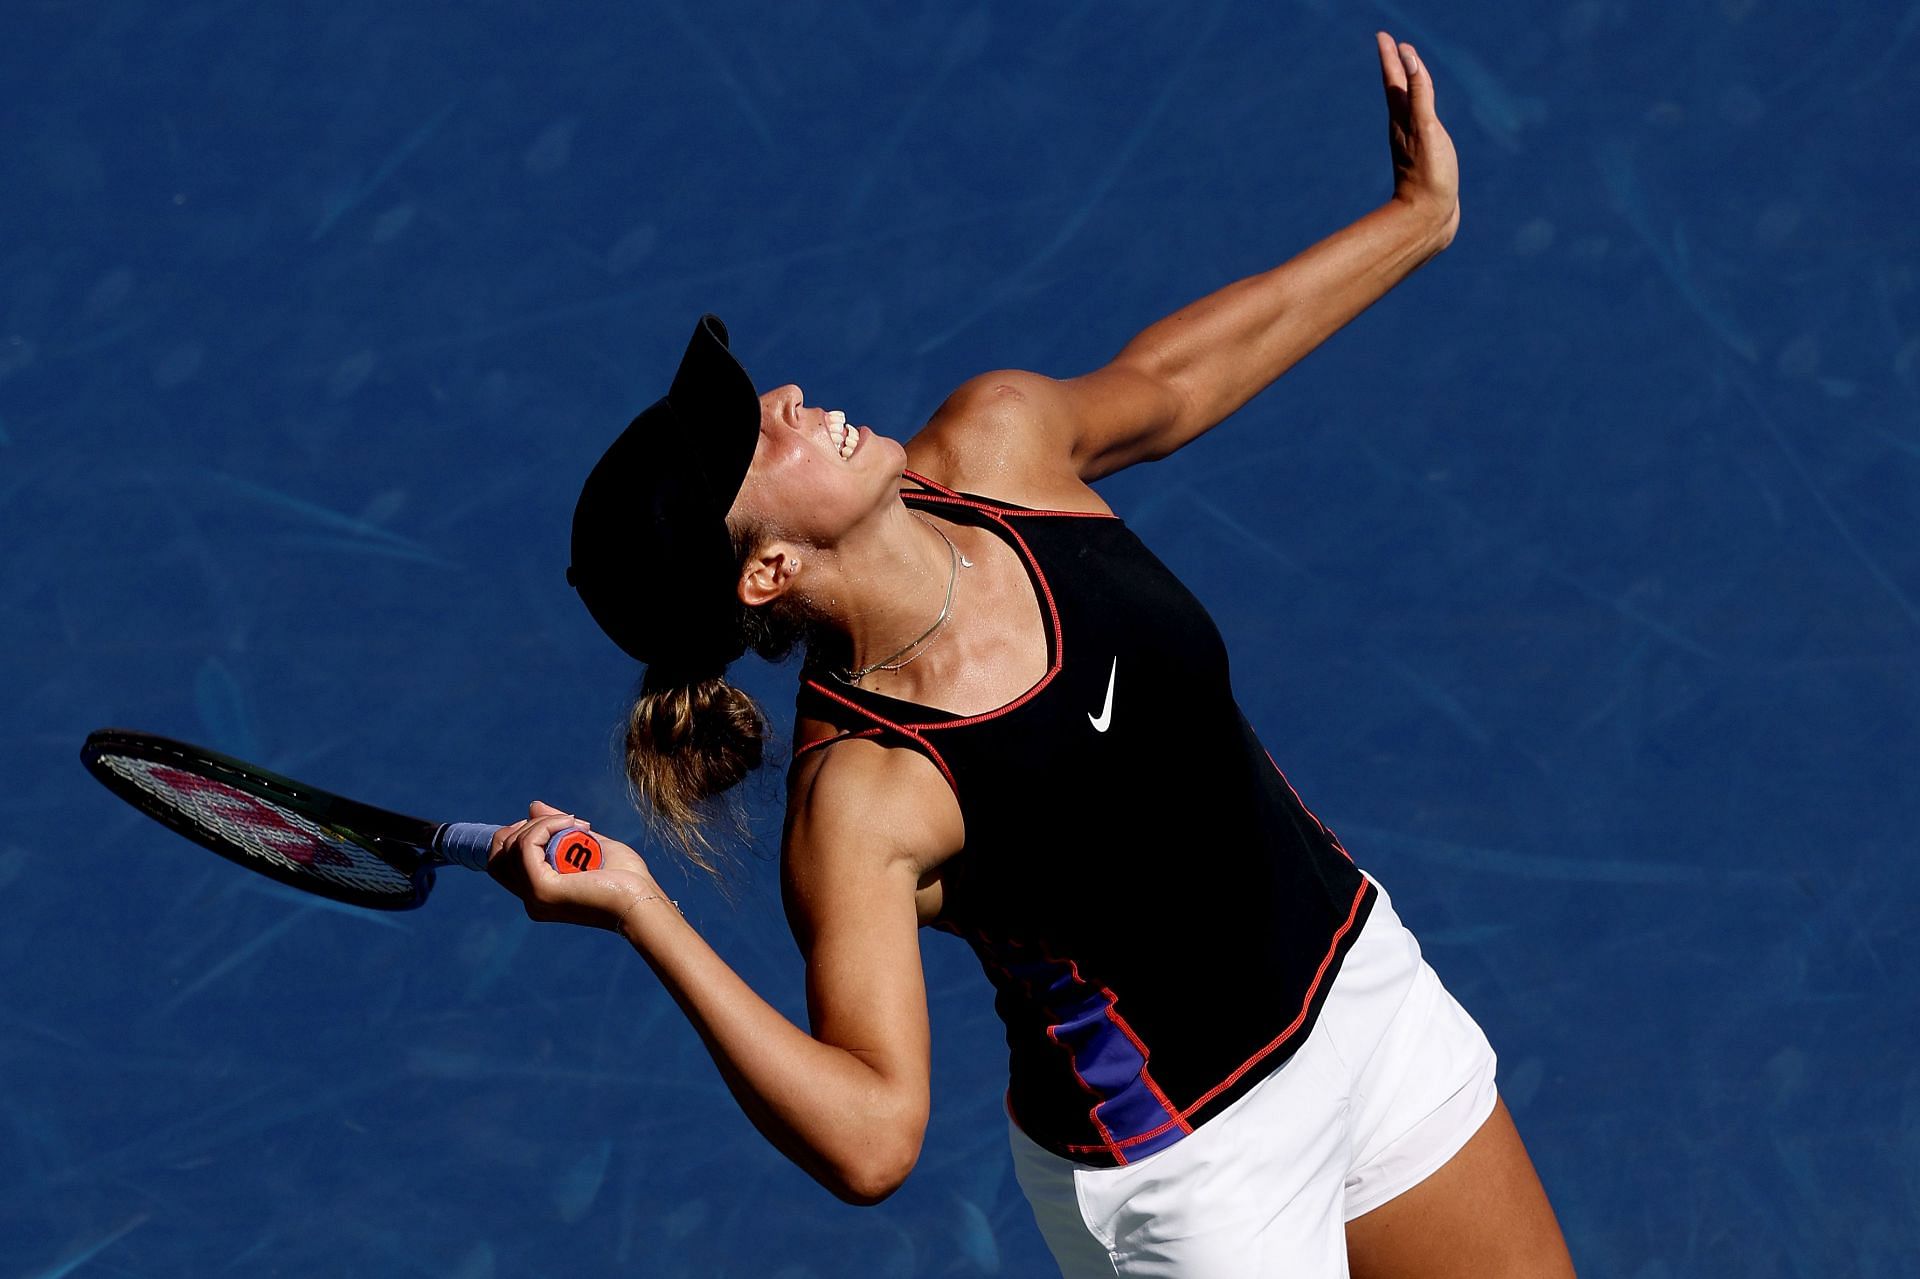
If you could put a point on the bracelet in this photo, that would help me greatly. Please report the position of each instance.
(655, 897)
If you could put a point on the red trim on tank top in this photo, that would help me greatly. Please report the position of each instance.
(905, 730)
(831, 738)
(1112, 1147)
(918, 478)
(1112, 1014)
(1319, 975)
(986, 504)
(988, 954)
(1053, 615)
(1324, 828)
(1146, 1076)
(912, 730)
(1109, 1146)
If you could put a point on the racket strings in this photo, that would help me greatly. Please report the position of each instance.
(258, 829)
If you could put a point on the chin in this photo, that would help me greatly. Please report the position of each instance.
(895, 450)
(895, 463)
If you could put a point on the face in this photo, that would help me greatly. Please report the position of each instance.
(804, 481)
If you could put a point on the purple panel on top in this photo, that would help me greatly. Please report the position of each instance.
(1109, 1064)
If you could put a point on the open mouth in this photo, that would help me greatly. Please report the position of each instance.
(845, 439)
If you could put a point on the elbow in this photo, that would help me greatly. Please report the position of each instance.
(880, 1169)
(869, 1190)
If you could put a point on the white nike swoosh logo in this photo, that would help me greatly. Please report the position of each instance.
(1105, 717)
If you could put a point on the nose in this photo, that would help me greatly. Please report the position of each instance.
(785, 401)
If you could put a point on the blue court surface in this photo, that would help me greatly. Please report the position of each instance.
(1576, 584)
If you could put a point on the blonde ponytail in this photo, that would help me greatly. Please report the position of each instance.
(688, 744)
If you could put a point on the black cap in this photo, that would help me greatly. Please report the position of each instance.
(652, 560)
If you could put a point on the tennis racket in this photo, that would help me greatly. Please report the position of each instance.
(295, 833)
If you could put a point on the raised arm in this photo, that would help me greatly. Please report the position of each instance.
(1186, 373)
(847, 1102)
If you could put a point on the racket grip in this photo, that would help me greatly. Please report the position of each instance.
(468, 843)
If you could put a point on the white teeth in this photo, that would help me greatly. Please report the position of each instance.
(844, 437)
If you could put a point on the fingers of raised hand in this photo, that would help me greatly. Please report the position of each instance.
(1419, 83)
(1393, 69)
(1405, 74)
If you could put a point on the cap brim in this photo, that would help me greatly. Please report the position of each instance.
(713, 397)
(651, 553)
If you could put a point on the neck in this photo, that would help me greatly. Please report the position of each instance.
(885, 584)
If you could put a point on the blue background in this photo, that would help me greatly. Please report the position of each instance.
(1576, 584)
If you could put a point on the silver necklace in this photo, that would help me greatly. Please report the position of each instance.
(957, 561)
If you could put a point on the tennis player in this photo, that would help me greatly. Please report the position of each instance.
(1014, 724)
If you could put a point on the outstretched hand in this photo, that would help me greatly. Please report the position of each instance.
(598, 898)
(1426, 173)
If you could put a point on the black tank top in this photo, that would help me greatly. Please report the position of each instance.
(1160, 916)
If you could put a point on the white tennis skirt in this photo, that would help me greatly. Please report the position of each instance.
(1390, 1084)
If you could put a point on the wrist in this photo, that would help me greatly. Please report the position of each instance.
(1429, 217)
(645, 910)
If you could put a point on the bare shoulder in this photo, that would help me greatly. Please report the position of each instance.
(1008, 434)
(861, 812)
(890, 800)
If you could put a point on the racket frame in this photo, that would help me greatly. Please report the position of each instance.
(405, 844)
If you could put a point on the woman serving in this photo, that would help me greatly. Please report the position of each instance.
(1014, 724)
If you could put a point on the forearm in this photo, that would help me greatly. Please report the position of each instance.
(841, 1120)
(1221, 351)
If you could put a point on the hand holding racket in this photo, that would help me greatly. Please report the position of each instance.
(524, 863)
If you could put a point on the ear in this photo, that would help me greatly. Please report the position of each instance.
(768, 573)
